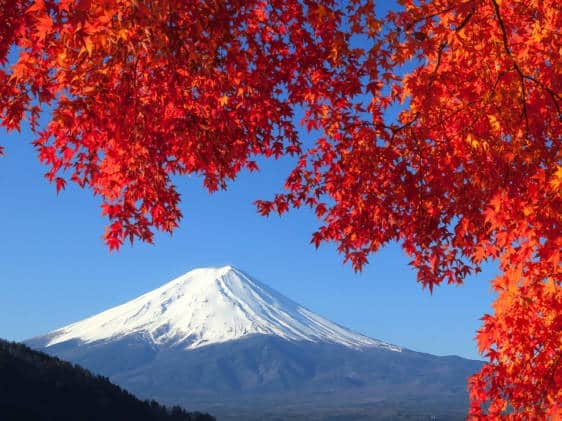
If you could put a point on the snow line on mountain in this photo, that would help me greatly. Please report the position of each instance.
(207, 306)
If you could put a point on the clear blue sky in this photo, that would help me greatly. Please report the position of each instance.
(55, 269)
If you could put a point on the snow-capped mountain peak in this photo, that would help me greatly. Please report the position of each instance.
(207, 306)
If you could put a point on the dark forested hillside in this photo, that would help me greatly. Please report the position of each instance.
(35, 386)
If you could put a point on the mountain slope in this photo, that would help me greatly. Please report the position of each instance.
(218, 340)
(208, 306)
(35, 386)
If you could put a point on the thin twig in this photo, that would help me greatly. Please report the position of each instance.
(515, 65)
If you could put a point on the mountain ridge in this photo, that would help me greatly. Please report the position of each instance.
(217, 340)
(206, 306)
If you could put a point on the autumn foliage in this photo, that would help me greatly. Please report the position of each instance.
(469, 169)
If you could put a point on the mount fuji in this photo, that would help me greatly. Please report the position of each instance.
(217, 340)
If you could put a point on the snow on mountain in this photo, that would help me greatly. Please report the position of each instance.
(208, 306)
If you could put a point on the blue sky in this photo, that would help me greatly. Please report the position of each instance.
(55, 269)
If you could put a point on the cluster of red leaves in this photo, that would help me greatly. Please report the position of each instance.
(140, 91)
(470, 170)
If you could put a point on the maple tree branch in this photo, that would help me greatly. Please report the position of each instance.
(466, 20)
(442, 47)
(551, 377)
(502, 27)
(417, 114)
(403, 126)
(524, 102)
(515, 65)
(552, 94)
(440, 12)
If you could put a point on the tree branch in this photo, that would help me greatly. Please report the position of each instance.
(515, 65)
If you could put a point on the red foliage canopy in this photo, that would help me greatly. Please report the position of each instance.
(470, 170)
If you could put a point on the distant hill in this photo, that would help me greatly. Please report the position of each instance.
(35, 386)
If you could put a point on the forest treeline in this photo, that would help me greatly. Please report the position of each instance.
(36, 386)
